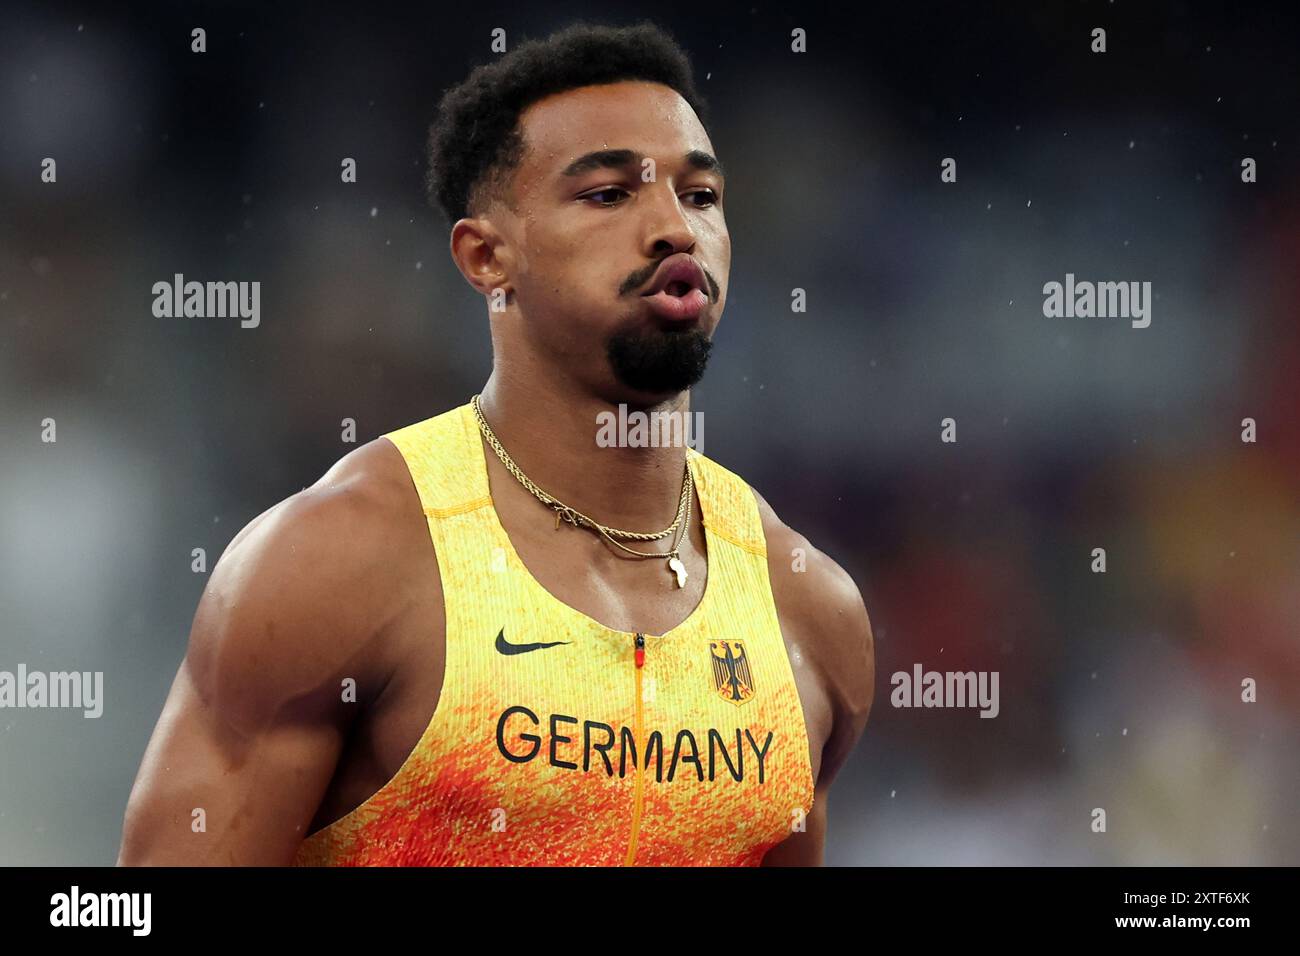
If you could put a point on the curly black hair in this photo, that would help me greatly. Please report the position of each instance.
(475, 143)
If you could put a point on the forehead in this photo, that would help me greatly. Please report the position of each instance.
(649, 118)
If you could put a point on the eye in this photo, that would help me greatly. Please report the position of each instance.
(709, 194)
(601, 192)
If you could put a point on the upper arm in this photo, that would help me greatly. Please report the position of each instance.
(826, 606)
(255, 721)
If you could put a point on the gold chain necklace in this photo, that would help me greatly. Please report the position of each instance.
(578, 519)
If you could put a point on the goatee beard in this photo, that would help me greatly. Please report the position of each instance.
(648, 359)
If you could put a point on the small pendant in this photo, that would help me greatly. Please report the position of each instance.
(676, 567)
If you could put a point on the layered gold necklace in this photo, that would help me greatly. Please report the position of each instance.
(579, 520)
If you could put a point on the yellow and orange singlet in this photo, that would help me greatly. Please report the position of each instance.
(550, 745)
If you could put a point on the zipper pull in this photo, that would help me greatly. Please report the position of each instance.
(640, 649)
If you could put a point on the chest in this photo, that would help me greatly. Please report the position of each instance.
(572, 711)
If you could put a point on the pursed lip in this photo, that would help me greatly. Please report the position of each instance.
(678, 268)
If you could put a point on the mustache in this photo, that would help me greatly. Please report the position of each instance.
(639, 278)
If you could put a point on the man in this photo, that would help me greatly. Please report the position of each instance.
(450, 649)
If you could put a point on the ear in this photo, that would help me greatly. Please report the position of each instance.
(482, 255)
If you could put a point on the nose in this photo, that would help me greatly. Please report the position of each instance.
(668, 231)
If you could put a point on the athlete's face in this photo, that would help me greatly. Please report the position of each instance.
(615, 178)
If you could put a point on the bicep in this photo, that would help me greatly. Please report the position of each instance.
(211, 794)
(253, 727)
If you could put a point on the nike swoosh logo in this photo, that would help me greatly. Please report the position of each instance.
(505, 647)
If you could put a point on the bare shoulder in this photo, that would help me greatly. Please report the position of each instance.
(302, 593)
(255, 721)
(822, 601)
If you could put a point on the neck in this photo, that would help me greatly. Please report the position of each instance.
(552, 433)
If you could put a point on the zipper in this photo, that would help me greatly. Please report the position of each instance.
(638, 656)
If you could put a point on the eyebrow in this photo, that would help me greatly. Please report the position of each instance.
(622, 158)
